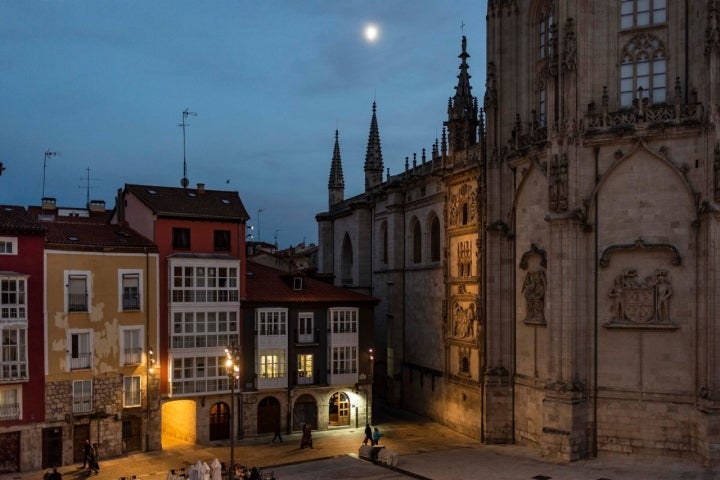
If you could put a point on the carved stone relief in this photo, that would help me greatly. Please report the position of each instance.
(641, 303)
(464, 259)
(533, 289)
(464, 321)
(463, 206)
(558, 183)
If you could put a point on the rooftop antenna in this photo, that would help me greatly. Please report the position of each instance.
(462, 27)
(276, 237)
(260, 210)
(48, 153)
(186, 113)
(87, 186)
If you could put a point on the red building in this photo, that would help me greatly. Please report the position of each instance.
(22, 364)
(200, 235)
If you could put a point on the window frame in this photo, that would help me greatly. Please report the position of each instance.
(648, 51)
(12, 241)
(656, 14)
(181, 238)
(344, 320)
(124, 274)
(82, 403)
(305, 368)
(20, 306)
(222, 240)
(272, 364)
(14, 356)
(83, 357)
(132, 354)
(271, 321)
(11, 410)
(70, 275)
(132, 391)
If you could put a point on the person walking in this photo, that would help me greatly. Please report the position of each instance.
(86, 452)
(278, 435)
(93, 461)
(368, 435)
(376, 436)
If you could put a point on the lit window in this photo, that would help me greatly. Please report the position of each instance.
(305, 369)
(272, 364)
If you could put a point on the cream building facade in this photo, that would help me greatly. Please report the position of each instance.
(573, 305)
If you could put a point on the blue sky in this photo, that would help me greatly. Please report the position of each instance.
(104, 83)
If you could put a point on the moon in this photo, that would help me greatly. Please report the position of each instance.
(372, 32)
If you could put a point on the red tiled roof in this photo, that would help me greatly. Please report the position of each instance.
(265, 284)
(92, 217)
(190, 202)
(14, 218)
(98, 235)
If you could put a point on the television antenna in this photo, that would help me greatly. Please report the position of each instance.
(186, 113)
(87, 179)
(48, 153)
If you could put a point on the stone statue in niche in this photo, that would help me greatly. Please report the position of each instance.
(464, 321)
(534, 291)
(639, 302)
(464, 259)
(453, 210)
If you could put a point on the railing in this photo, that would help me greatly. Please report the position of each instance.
(77, 302)
(82, 404)
(303, 379)
(80, 362)
(10, 411)
(312, 337)
(131, 301)
(12, 371)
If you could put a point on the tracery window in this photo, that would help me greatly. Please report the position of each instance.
(545, 22)
(643, 70)
(641, 13)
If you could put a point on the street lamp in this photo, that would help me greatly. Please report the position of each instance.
(232, 368)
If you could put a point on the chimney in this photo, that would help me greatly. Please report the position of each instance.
(48, 203)
(201, 188)
(96, 206)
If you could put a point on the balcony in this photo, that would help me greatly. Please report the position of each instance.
(133, 356)
(312, 338)
(10, 411)
(131, 301)
(77, 302)
(304, 379)
(80, 361)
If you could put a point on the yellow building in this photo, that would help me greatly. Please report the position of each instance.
(101, 329)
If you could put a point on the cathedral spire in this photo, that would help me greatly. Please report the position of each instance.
(336, 183)
(462, 120)
(373, 157)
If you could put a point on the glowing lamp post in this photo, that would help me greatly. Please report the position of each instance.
(232, 368)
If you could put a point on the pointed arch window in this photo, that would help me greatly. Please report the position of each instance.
(545, 32)
(641, 13)
(643, 70)
(435, 239)
(346, 260)
(416, 242)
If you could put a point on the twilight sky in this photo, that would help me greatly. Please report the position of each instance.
(104, 83)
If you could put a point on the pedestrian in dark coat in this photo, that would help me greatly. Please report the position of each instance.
(86, 452)
(368, 435)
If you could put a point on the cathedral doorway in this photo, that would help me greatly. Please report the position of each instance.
(339, 413)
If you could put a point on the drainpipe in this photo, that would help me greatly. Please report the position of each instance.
(595, 336)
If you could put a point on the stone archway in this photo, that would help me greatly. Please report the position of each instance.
(305, 412)
(219, 421)
(339, 410)
(268, 415)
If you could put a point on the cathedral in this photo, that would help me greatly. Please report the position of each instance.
(547, 272)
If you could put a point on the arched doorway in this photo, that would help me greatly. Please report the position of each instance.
(219, 421)
(305, 412)
(268, 415)
(339, 414)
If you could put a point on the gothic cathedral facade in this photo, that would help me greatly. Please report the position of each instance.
(548, 274)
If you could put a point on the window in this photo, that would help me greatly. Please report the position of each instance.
(297, 283)
(465, 365)
(344, 360)
(305, 328)
(344, 320)
(272, 364)
(131, 391)
(80, 350)
(208, 283)
(346, 261)
(435, 240)
(82, 396)
(13, 354)
(272, 321)
(641, 13)
(305, 369)
(545, 32)
(10, 404)
(131, 345)
(643, 71)
(416, 243)
(13, 303)
(130, 283)
(222, 240)
(199, 375)
(77, 293)
(203, 329)
(181, 238)
(8, 246)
